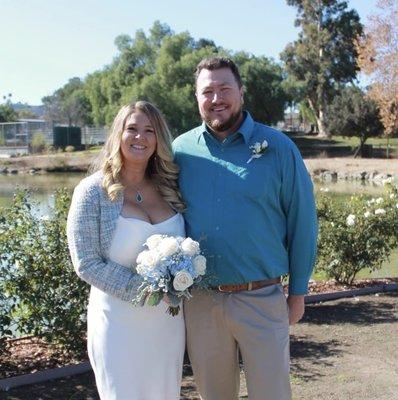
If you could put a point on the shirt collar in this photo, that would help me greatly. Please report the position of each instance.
(245, 129)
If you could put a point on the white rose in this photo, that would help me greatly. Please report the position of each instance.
(386, 181)
(367, 214)
(257, 147)
(379, 200)
(148, 258)
(350, 221)
(168, 246)
(199, 262)
(380, 211)
(190, 247)
(153, 241)
(183, 280)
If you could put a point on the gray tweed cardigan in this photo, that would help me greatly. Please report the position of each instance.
(90, 228)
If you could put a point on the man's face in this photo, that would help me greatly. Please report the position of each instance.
(220, 99)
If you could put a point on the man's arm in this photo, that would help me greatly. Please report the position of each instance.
(301, 228)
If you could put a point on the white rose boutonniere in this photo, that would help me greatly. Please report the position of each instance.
(258, 149)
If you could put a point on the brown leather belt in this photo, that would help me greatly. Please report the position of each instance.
(247, 286)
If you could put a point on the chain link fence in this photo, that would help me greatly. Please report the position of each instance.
(32, 136)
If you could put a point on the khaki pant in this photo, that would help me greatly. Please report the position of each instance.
(256, 323)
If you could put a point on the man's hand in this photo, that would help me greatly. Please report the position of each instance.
(296, 308)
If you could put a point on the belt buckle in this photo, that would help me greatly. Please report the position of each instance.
(219, 287)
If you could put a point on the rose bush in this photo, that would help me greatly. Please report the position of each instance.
(40, 292)
(356, 234)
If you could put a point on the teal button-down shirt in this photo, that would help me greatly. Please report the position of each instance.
(253, 220)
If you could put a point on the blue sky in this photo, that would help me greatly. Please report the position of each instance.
(46, 42)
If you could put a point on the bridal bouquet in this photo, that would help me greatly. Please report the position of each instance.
(170, 266)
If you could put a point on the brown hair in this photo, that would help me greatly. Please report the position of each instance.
(213, 63)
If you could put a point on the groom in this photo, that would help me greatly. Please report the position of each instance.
(250, 204)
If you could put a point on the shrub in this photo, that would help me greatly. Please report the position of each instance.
(38, 143)
(69, 149)
(356, 234)
(41, 293)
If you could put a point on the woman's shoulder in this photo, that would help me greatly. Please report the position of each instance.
(89, 186)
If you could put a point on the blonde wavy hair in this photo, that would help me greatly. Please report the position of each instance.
(161, 169)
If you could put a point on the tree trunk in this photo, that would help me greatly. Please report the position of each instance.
(320, 121)
(359, 149)
(319, 113)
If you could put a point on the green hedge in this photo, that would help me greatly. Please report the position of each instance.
(356, 234)
(40, 292)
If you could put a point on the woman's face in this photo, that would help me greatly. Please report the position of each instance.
(138, 139)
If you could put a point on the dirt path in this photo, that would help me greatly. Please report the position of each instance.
(342, 350)
(353, 165)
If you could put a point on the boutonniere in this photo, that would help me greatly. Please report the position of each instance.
(258, 149)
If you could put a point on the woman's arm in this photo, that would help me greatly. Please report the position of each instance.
(83, 232)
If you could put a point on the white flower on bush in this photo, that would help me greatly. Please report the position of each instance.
(190, 247)
(386, 181)
(350, 221)
(379, 200)
(183, 280)
(367, 214)
(147, 259)
(370, 202)
(153, 241)
(380, 211)
(168, 246)
(396, 205)
(392, 196)
(324, 189)
(199, 262)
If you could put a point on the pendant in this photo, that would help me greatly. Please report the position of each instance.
(138, 197)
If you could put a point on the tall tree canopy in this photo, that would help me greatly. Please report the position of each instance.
(378, 57)
(323, 57)
(159, 67)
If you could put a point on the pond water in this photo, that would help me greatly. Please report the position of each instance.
(43, 187)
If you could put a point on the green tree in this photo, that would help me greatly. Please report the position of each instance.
(324, 55)
(7, 113)
(69, 104)
(264, 94)
(353, 114)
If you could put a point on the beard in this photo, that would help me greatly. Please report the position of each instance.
(218, 126)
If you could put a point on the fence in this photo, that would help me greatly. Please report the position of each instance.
(17, 137)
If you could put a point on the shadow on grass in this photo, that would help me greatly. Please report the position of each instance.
(352, 311)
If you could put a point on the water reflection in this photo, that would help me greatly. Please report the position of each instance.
(42, 186)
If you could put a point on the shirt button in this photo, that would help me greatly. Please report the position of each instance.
(218, 200)
(217, 228)
(222, 150)
(219, 256)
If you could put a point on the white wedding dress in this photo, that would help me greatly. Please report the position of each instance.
(136, 352)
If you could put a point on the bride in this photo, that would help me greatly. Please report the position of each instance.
(136, 352)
